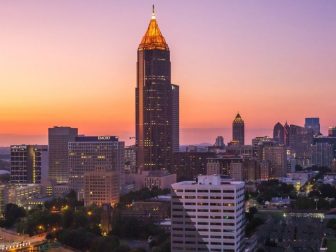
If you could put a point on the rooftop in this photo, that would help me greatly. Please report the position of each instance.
(153, 38)
(96, 139)
(238, 119)
(215, 180)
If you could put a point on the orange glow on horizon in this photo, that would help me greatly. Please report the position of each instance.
(71, 64)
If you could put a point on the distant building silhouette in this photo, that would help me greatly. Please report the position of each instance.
(286, 134)
(314, 124)
(300, 140)
(219, 142)
(279, 133)
(238, 130)
(332, 131)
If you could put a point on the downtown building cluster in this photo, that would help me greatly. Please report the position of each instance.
(291, 149)
(68, 162)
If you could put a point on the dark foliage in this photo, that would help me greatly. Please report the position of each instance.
(12, 214)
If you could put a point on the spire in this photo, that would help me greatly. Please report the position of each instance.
(153, 12)
(153, 38)
(238, 119)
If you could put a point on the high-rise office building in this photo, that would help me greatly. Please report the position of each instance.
(219, 143)
(322, 154)
(330, 139)
(188, 165)
(314, 124)
(58, 138)
(279, 133)
(236, 171)
(300, 140)
(28, 163)
(101, 186)
(207, 215)
(221, 165)
(157, 103)
(332, 131)
(265, 173)
(286, 134)
(130, 159)
(277, 159)
(88, 153)
(238, 130)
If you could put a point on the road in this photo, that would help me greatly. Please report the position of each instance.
(12, 240)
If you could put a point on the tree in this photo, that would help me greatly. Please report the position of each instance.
(105, 244)
(327, 191)
(332, 224)
(252, 225)
(76, 238)
(12, 214)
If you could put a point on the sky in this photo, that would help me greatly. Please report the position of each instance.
(73, 63)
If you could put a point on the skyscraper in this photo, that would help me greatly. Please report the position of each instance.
(279, 133)
(314, 124)
(157, 103)
(28, 162)
(300, 139)
(238, 130)
(58, 138)
(322, 154)
(219, 143)
(276, 157)
(286, 134)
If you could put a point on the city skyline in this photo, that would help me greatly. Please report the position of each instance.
(77, 69)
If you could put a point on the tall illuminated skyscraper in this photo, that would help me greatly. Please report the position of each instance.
(157, 103)
(238, 130)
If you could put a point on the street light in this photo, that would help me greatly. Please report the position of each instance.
(316, 200)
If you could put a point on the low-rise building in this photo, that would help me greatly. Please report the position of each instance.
(150, 179)
(329, 178)
(22, 194)
(159, 179)
(155, 210)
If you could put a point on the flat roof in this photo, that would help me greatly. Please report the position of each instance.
(96, 139)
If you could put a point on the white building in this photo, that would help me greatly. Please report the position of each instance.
(207, 215)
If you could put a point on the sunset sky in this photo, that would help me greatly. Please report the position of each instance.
(73, 63)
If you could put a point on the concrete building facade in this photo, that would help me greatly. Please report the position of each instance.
(207, 215)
